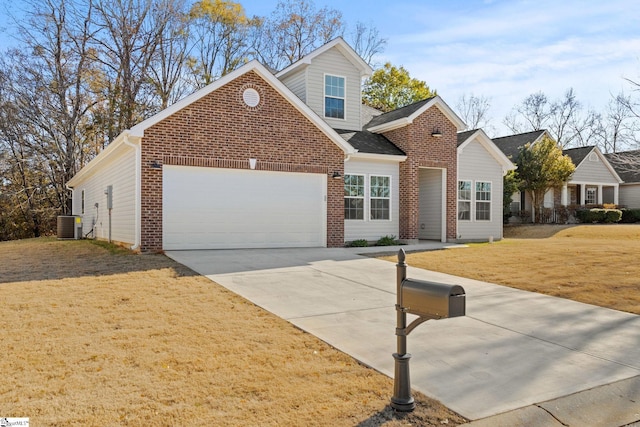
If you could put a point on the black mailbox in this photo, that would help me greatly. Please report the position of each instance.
(432, 300)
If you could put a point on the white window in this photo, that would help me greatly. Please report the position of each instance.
(82, 203)
(591, 196)
(464, 200)
(483, 201)
(380, 197)
(333, 97)
(354, 197)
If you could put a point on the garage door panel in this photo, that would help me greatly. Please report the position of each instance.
(209, 208)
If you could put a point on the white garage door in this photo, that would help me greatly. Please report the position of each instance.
(212, 208)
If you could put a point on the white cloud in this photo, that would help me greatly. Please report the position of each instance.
(508, 50)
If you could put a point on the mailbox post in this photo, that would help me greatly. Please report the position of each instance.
(402, 399)
(427, 300)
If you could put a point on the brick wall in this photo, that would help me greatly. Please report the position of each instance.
(219, 130)
(424, 150)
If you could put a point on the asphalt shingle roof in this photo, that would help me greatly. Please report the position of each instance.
(463, 136)
(577, 155)
(626, 164)
(397, 114)
(511, 145)
(368, 142)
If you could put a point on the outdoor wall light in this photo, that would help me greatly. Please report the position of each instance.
(336, 175)
(155, 164)
(436, 133)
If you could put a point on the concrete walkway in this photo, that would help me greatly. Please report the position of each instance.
(553, 361)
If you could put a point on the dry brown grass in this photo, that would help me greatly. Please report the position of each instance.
(595, 264)
(97, 336)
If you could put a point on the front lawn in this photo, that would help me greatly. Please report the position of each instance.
(595, 264)
(93, 335)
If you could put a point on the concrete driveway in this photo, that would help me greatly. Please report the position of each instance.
(549, 358)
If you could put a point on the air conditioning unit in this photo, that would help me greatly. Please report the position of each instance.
(69, 227)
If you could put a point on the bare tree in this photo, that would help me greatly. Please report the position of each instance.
(531, 115)
(474, 110)
(167, 69)
(51, 88)
(293, 30)
(130, 32)
(367, 42)
(220, 39)
(562, 118)
(622, 128)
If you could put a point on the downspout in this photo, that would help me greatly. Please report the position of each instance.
(138, 187)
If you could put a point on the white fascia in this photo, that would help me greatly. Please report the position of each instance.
(372, 156)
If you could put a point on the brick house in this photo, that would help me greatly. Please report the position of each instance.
(257, 160)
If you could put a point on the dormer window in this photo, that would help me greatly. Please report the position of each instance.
(333, 97)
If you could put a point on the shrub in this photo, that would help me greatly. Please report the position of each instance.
(612, 216)
(359, 243)
(598, 215)
(387, 241)
(630, 215)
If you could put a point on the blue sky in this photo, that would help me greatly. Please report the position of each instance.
(502, 49)
(505, 49)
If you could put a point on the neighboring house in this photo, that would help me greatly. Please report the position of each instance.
(257, 160)
(594, 181)
(627, 165)
(481, 168)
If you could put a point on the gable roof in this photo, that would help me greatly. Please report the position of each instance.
(406, 115)
(577, 155)
(626, 164)
(342, 46)
(262, 71)
(465, 138)
(371, 143)
(511, 145)
(137, 131)
(580, 154)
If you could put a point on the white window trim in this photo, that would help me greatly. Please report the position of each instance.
(82, 201)
(364, 197)
(490, 201)
(586, 195)
(324, 96)
(390, 198)
(470, 201)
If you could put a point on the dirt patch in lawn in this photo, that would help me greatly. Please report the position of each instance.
(595, 264)
(99, 336)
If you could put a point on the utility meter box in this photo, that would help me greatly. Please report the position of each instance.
(432, 300)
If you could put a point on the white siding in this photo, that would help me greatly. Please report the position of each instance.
(368, 229)
(430, 204)
(334, 63)
(630, 195)
(120, 172)
(476, 164)
(296, 83)
(593, 172)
